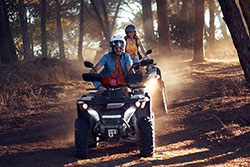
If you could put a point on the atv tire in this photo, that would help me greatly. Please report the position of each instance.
(146, 127)
(81, 138)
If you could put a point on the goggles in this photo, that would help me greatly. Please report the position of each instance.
(121, 47)
(117, 44)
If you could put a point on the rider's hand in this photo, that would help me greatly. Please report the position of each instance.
(92, 71)
(146, 57)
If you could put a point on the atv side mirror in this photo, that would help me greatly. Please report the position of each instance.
(88, 64)
(149, 51)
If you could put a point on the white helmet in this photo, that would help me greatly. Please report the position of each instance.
(116, 40)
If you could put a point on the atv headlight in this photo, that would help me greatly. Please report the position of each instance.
(143, 104)
(85, 106)
(151, 85)
(137, 104)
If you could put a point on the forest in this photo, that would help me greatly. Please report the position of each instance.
(201, 46)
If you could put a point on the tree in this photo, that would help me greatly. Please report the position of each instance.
(245, 7)
(23, 20)
(7, 48)
(103, 19)
(147, 18)
(184, 9)
(182, 24)
(198, 35)
(60, 31)
(81, 20)
(30, 27)
(239, 34)
(211, 21)
(163, 26)
(43, 28)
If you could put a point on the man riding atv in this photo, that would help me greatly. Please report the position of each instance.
(119, 110)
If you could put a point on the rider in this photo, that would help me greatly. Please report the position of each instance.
(133, 43)
(116, 63)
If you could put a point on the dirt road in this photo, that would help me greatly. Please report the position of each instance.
(207, 125)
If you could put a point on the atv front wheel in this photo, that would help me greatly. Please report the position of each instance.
(146, 127)
(81, 138)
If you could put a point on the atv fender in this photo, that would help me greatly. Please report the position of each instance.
(81, 113)
(147, 110)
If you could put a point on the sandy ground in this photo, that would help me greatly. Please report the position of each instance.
(207, 124)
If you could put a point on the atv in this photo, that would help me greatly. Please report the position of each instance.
(115, 115)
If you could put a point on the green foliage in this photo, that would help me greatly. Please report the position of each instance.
(181, 31)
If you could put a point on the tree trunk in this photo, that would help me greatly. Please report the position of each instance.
(115, 16)
(184, 9)
(211, 31)
(4, 56)
(106, 20)
(211, 22)
(31, 40)
(163, 26)
(23, 20)
(103, 19)
(7, 47)
(147, 18)
(198, 35)
(100, 20)
(43, 28)
(245, 7)
(59, 30)
(239, 34)
(80, 57)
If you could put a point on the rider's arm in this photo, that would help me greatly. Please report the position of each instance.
(128, 67)
(96, 68)
(128, 62)
(100, 64)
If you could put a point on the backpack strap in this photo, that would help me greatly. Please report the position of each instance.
(126, 44)
(136, 42)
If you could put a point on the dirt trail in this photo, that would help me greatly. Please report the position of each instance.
(207, 125)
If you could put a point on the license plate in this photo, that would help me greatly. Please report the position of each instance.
(112, 132)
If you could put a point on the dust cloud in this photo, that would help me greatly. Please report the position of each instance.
(175, 73)
(180, 77)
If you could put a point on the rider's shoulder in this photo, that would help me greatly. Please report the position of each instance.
(108, 55)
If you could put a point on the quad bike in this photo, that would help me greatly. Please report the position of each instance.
(115, 115)
(153, 80)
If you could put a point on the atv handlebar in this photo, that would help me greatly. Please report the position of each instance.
(92, 77)
(146, 62)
